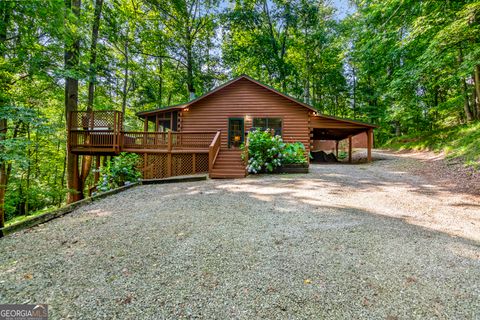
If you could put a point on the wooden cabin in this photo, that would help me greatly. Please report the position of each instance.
(205, 134)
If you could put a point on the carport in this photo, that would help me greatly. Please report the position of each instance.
(331, 128)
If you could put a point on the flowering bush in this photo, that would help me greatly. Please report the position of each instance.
(267, 152)
(118, 172)
(264, 151)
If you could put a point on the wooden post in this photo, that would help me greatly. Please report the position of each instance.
(169, 154)
(76, 180)
(145, 130)
(194, 162)
(369, 144)
(145, 163)
(97, 171)
(349, 149)
(115, 133)
(145, 124)
(336, 148)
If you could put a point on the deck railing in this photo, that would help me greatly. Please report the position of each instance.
(163, 154)
(213, 150)
(137, 140)
(144, 140)
(93, 139)
(192, 140)
(93, 130)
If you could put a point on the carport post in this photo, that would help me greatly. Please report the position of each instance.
(336, 148)
(349, 149)
(369, 144)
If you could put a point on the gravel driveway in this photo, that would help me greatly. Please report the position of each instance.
(344, 241)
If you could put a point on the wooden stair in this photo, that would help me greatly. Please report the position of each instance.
(228, 165)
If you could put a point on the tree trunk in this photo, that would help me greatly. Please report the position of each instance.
(354, 74)
(466, 103)
(29, 171)
(125, 80)
(87, 160)
(474, 104)
(3, 175)
(190, 81)
(477, 89)
(72, 50)
(160, 82)
(398, 131)
(93, 54)
(5, 10)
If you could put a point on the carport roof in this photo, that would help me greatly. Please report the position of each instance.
(333, 128)
(336, 133)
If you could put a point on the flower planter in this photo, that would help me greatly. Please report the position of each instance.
(292, 168)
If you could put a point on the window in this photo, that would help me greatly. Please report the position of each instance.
(268, 123)
(164, 125)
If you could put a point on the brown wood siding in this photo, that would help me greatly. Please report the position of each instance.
(247, 100)
(326, 123)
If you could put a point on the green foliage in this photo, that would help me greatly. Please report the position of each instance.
(457, 142)
(119, 171)
(405, 65)
(267, 152)
(291, 45)
(342, 155)
(294, 153)
(412, 62)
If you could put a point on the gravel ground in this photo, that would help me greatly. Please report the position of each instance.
(343, 242)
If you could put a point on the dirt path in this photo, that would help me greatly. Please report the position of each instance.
(372, 241)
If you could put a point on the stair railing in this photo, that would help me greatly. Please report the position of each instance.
(213, 150)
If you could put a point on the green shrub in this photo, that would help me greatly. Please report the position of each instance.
(264, 151)
(267, 152)
(121, 170)
(294, 153)
(342, 155)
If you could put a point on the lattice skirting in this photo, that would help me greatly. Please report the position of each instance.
(155, 166)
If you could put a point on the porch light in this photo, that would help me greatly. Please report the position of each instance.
(185, 109)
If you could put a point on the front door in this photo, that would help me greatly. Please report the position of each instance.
(236, 132)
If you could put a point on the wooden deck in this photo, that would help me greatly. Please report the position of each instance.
(162, 154)
(109, 141)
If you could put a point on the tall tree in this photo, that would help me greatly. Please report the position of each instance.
(5, 14)
(92, 70)
(72, 52)
(189, 24)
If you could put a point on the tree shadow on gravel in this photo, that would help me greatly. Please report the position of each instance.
(338, 189)
(250, 248)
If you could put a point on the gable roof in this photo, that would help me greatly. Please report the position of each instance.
(244, 76)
